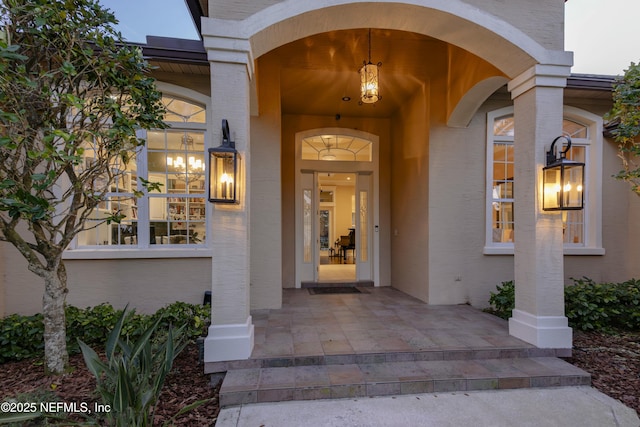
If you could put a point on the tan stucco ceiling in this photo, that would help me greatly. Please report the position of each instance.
(318, 71)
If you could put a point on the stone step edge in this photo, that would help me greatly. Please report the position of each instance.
(379, 388)
(386, 357)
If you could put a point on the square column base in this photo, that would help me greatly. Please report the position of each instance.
(229, 342)
(541, 331)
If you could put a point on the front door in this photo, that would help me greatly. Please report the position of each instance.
(335, 234)
(336, 208)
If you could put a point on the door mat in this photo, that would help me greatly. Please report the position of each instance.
(330, 290)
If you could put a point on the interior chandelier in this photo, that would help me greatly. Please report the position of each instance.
(191, 170)
(369, 79)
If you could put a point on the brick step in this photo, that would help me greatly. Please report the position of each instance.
(398, 356)
(334, 381)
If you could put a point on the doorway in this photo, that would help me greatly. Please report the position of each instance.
(336, 207)
(336, 227)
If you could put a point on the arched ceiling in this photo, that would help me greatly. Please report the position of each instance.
(317, 72)
(321, 45)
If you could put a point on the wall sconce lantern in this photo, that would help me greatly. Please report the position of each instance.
(563, 180)
(223, 169)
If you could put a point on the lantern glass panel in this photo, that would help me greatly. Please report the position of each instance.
(222, 184)
(552, 188)
(369, 89)
(572, 187)
(563, 186)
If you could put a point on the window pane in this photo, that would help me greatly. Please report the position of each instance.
(573, 227)
(180, 205)
(119, 201)
(337, 148)
(307, 224)
(363, 250)
(574, 129)
(183, 111)
(324, 229)
(503, 126)
(502, 220)
(182, 220)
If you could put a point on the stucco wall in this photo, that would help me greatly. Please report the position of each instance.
(144, 284)
(266, 197)
(541, 20)
(410, 197)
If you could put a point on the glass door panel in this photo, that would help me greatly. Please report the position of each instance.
(363, 227)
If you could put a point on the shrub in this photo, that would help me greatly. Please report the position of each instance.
(603, 306)
(503, 301)
(22, 337)
(588, 305)
(91, 325)
(194, 318)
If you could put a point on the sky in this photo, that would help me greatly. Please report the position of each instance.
(603, 34)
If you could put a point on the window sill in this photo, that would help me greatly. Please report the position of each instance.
(577, 251)
(168, 252)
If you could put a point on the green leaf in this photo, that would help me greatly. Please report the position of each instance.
(68, 68)
(18, 417)
(114, 336)
(92, 360)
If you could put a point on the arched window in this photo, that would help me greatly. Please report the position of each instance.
(174, 158)
(581, 229)
(337, 148)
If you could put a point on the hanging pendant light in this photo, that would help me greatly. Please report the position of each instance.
(369, 80)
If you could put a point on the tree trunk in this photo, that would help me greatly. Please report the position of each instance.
(55, 332)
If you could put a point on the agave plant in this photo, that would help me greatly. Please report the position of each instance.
(129, 381)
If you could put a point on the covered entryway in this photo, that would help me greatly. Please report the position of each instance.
(283, 68)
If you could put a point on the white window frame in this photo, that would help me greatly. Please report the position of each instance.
(592, 244)
(167, 250)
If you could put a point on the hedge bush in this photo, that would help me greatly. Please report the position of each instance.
(588, 305)
(603, 306)
(22, 337)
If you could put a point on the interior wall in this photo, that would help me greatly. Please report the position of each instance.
(410, 197)
(343, 210)
(292, 124)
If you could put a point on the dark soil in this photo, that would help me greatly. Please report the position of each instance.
(612, 360)
(185, 385)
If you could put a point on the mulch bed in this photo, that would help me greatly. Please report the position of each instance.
(612, 360)
(184, 385)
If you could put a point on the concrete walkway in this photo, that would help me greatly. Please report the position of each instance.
(552, 407)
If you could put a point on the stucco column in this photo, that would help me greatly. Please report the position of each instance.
(538, 317)
(231, 334)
